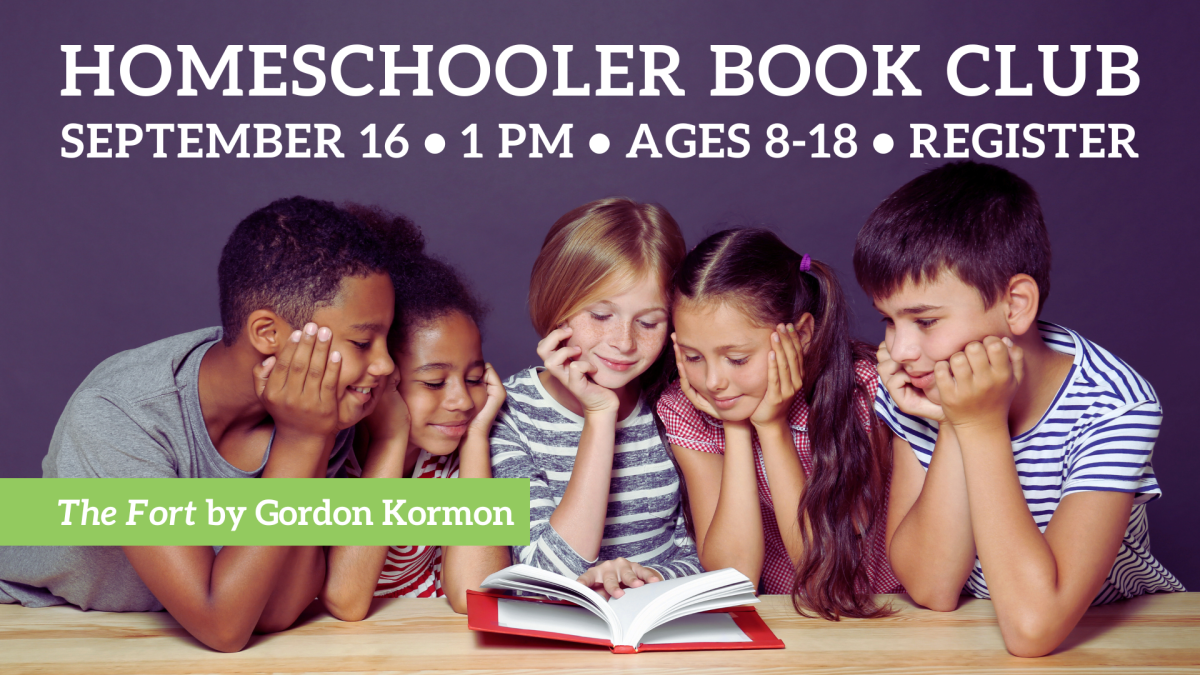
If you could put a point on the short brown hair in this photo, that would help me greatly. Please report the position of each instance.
(979, 221)
(589, 244)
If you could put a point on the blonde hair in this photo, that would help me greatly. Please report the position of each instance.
(587, 246)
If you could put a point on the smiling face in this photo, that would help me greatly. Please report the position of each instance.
(441, 381)
(622, 333)
(359, 317)
(724, 356)
(931, 321)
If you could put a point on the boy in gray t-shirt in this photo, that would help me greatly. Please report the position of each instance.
(306, 303)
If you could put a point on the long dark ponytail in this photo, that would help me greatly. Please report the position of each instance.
(754, 271)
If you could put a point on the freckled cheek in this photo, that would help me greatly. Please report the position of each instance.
(585, 334)
(650, 342)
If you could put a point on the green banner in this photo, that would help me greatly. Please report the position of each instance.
(263, 511)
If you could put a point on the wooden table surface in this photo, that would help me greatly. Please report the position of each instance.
(1158, 633)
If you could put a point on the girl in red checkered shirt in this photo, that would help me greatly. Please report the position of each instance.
(771, 423)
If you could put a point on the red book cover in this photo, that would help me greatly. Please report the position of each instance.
(483, 615)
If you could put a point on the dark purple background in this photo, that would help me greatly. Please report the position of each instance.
(99, 256)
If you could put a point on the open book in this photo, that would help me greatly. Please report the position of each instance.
(674, 614)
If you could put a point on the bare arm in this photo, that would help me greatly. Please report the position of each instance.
(785, 473)
(929, 537)
(723, 495)
(353, 571)
(221, 599)
(465, 567)
(1040, 584)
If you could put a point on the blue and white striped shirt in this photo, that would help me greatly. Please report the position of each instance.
(537, 438)
(1097, 434)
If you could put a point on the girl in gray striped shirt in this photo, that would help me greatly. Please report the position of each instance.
(605, 498)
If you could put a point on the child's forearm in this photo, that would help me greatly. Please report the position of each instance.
(785, 475)
(579, 516)
(352, 572)
(465, 567)
(350, 580)
(474, 457)
(1040, 585)
(299, 581)
(933, 550)
(217, 599)
(735, 535)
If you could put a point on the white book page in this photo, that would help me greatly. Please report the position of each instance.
(550, 618)
(697, 628)
(532, 579)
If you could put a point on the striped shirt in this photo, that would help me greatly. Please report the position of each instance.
(535, 437)
(414, 571)
(1097, 435)
(692, 429)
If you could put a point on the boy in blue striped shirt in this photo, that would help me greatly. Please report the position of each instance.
(1021, 447)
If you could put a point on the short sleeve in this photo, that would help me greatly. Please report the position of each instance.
(1113, 454)
(686, 426)
(97, 438)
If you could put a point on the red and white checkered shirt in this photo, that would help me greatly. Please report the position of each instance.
(692, 429)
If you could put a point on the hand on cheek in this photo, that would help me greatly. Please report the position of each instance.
(785, 377)
(977, 385)
(909, 399)
(562, 361)
(300, 386)
(390, 418)
(694, 397)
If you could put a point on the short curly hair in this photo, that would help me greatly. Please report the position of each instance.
(290, 257)
(427, 288)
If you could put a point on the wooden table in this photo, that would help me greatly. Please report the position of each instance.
(1155, 633)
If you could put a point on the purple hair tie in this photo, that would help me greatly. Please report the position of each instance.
(805, 263)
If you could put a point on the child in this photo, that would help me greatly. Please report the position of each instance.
(604, 493)
(771, 423)
(1022, 448)
(439, 410)
(303, 286)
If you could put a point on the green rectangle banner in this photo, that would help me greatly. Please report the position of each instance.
(263, 512)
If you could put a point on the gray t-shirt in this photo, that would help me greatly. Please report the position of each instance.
(137, 415)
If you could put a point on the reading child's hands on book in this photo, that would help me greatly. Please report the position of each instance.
(909, 399)
(977, 385)
(563, 362)
(299, 387)
(785, 377)
(610, 577)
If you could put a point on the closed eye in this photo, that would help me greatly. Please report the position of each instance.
(691, 358)
(925, 323)
(362, 346)
(600, 317)
(434, 385)
(649, 325)
(739, 362)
